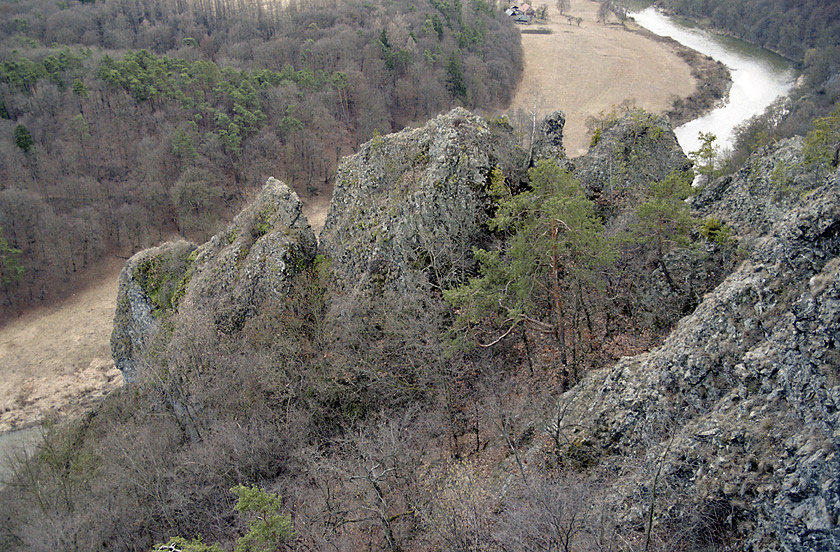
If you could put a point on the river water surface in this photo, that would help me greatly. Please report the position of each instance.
(758, 76)
(16, 444)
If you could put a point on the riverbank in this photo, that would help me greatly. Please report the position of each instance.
(15, 445)
(714, 81)
(758, 76)
(586, 69)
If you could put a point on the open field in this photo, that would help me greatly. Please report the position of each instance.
(57, 358)
(584, 70)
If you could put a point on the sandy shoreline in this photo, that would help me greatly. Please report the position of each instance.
(584, 70)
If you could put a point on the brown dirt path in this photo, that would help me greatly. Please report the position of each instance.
(584, 70)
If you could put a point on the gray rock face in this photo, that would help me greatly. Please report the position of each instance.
(761, 193)
(409, 207)
(635, 150)
(549, 142)
(740, 405)
(148, 291)
(252, 260)
(694, 271)
(228, 277)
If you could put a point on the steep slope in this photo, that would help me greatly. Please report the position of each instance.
(736, 415)
(334, 381)
(408, 208)
(227, 278)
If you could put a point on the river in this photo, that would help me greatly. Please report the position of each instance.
(758, 76)
(15, 444)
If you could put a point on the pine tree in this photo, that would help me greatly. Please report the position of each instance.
(11, 271)
(705, 158)
(555, 247)
(268, 529)
(455, 77)
(822, 144)
(664, 218)
(23, 139)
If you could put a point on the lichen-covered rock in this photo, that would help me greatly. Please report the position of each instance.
(631, 153)
(409, 207)
(740, 407)
(770, 184)
(253, 260)
(549, 141)
(635, 150)
(150, 285)
(228, 277)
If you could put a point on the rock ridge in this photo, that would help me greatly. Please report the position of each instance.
(228, 277)
(740, 405)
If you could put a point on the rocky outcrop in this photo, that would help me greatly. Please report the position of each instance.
(228, 277)
(150, 285)
(728, 432)
(736, 416)
(409, 207)
(629, 153)
(253, 260)
(694, 271)
(549, 141)
(755, 198)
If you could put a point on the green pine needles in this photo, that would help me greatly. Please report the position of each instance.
(269, 530)
(555, 247)
(558, 273)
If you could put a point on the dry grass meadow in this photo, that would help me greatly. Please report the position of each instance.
(585, 70)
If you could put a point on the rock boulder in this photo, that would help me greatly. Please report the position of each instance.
(228, 278)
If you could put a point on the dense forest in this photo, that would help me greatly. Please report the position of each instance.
(807, 32)
(124, 122)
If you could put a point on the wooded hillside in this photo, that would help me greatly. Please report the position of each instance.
(807, 32)
(123, 122)
(788, 27)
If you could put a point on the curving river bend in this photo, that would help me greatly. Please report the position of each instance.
(758, 76)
